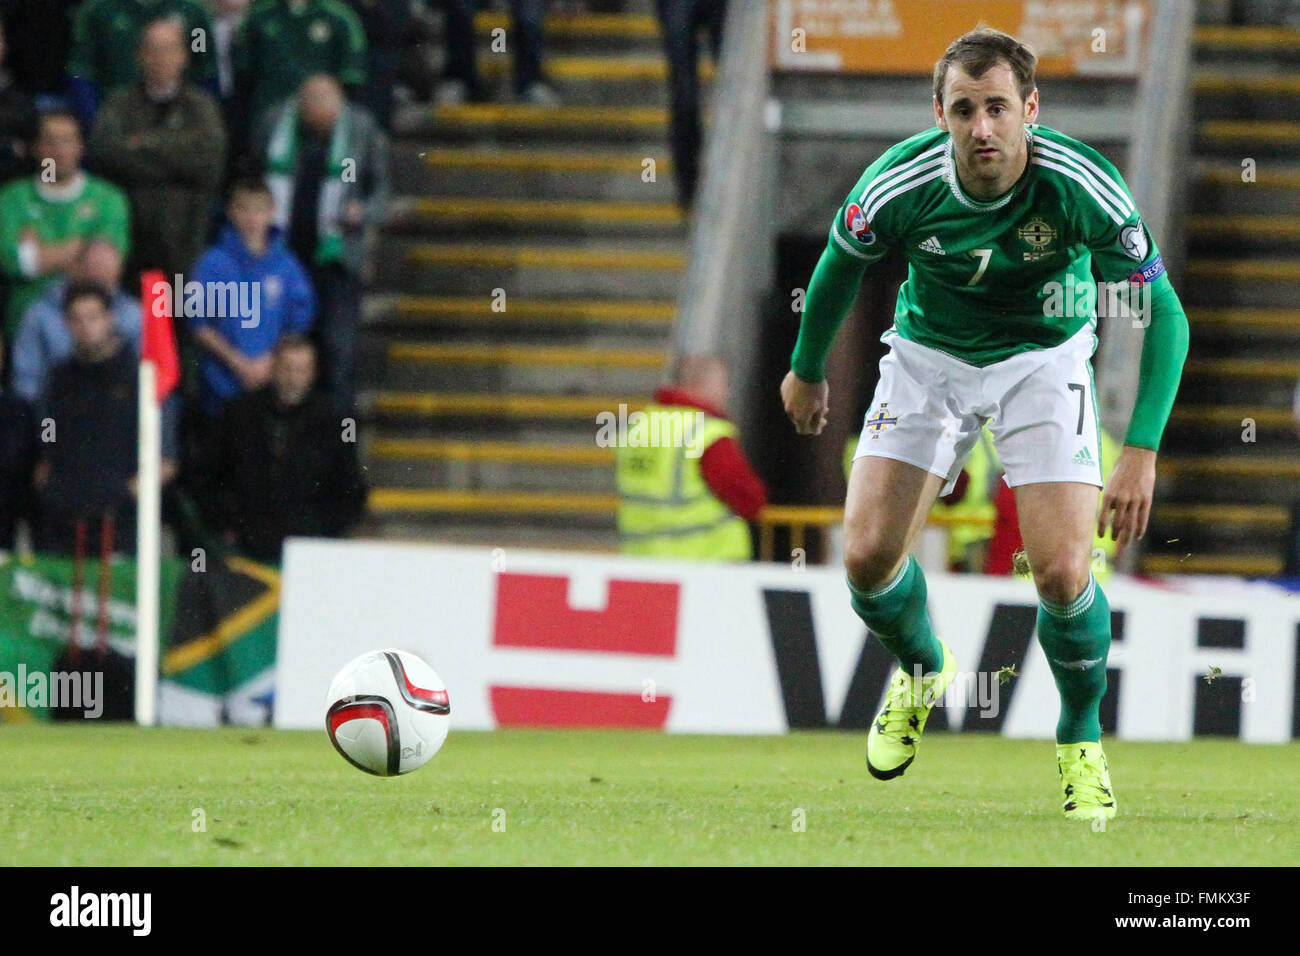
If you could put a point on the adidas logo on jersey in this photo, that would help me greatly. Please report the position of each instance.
(932, 245)
(1082, 456)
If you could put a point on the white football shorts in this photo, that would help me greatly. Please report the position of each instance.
(1041, 407)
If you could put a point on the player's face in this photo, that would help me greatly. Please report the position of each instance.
(986, 120)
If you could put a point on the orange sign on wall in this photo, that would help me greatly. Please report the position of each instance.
(1070, 37)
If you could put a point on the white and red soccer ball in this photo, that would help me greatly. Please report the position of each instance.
(387, 713)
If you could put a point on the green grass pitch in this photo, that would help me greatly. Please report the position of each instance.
(120, 795)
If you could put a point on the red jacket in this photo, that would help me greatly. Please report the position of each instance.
(723, 465)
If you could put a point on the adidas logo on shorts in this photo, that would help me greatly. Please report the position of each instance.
(1082, 456)
(932, 245)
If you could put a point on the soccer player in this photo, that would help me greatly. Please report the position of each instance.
(1000, 220)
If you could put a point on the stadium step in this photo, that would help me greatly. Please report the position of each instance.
(639, 172)
(1239, 40)
(1244, 565)
(479, 464)
(450, 215)
(634, 77)
(546, 355)
(1270, 188)
(1249, 379)
(586, 31)
(1265, 84)
(579, 268)
(1230, 463)
(547, 316)
(486, 416)
(1271, 176)
(1255, 270)
(568, 409)
(509, 122)
(513, 453)
(1236, 234)
(1232, 416)
(596, 509)
(1246, 324)
(1270, 137)
(1269, 282)
(1240, 479)
(526, 282)
(1236, 467)
(1257, 529)
(1218, 515)
(1257, 369)
(1246, 93)
(549, 257)
(526, 368)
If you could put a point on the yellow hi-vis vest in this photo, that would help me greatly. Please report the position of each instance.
(665, 507)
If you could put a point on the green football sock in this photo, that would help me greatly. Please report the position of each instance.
(1076, 639)
(896, 614)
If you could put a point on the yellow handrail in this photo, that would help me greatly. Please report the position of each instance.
(798, 518)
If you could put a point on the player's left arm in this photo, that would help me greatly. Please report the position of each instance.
(1126, 253)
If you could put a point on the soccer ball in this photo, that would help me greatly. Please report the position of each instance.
(386, 713)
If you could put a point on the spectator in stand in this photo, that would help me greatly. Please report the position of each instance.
(237, 356)
(385, 23)
(327, 166)
(283, 464)
(227, 17)
(460, 77)
(17, 458)
(681, 22)
(106, 36)
(46, 219)
(40, 37)
(164, 142)
(282, 42)
(89, 469)
(686, 489)
(43, 339)
(17, 121)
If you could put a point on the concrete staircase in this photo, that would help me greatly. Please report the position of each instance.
(526, 283)
(1223, 503)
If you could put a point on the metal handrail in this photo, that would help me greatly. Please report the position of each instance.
(799, 518)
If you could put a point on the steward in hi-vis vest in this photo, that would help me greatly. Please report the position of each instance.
(686, 490)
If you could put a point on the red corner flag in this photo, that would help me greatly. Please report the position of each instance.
(158, 340)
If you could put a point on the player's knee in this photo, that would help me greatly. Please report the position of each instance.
(869, 562)
(1062, 578)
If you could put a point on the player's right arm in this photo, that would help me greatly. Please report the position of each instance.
(859, 236)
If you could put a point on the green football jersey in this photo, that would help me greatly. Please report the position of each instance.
(100, 211)
(988, 280)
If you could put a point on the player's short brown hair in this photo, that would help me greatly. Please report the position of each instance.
(976, 52)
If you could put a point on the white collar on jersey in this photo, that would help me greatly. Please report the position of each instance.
(950, 177)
